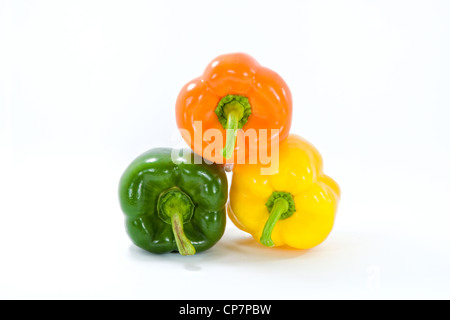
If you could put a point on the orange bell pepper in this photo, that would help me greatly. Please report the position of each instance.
(235, 92)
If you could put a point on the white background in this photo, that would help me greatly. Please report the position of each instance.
(86, 86)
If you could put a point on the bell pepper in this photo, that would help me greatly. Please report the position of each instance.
(293, 207)
(235, 92)
(172, 203)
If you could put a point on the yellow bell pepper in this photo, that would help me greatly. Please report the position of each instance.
(295, 206)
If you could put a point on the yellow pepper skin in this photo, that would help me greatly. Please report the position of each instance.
(311, 196)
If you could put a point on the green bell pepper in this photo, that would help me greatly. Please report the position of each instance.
(172, 203)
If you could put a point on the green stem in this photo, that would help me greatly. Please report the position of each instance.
(185, 246)
(176, 208)
(232, 112)
(280, 207)
(232, 127)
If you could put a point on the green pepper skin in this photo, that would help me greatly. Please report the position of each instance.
(154, 172)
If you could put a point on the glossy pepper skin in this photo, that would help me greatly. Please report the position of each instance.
(294, 207)
(234, 92)
(173, 206)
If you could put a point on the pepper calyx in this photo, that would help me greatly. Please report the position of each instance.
(286, 196)
(236, 104)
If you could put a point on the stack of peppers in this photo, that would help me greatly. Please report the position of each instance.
(175, 203)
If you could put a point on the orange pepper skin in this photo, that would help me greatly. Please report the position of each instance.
(234, 74)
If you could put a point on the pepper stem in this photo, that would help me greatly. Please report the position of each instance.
(280, 206)
(176, 208)
(184, 245)
(232, 127)
(232, 112)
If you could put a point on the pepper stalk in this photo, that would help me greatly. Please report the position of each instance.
(281, 206)
(233, 112)
(176, 208)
